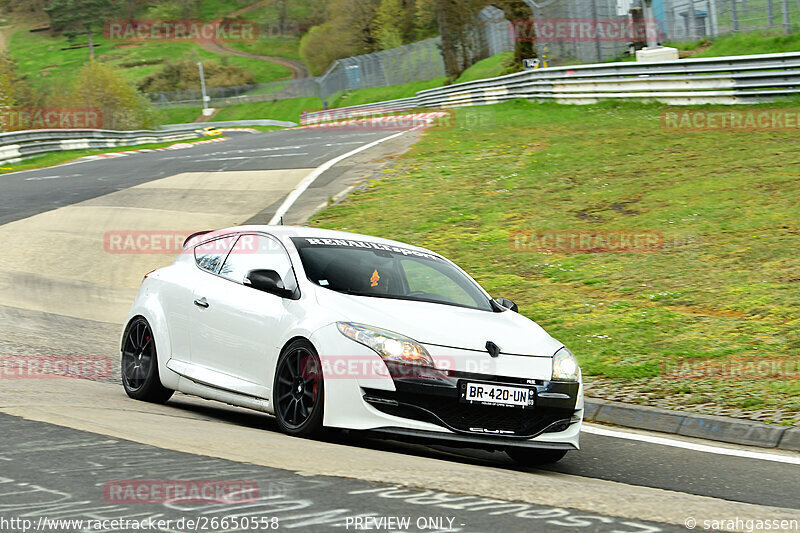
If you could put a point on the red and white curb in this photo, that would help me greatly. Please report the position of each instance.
(178, 146)
(242, 130)
(383, 123)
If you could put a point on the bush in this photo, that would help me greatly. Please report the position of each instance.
(184, 74)
(10, 84)
(122, 106)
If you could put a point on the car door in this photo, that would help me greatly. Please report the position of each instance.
(240, 330)
(185, 307)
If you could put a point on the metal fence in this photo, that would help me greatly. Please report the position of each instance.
(689, 20)
(418, 61)
(677, 20)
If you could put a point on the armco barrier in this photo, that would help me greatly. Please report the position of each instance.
(37, 142)
(17, 145)
(718, 80)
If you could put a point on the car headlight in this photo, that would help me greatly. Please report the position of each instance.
(389, 345)
(565, 366)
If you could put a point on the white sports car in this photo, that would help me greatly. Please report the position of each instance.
(327, 329)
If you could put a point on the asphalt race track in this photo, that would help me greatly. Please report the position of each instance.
(31, 192)
(64, 292)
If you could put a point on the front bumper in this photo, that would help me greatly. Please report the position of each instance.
(436, 398)
(428, 408)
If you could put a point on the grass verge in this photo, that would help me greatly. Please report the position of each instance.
(723, 290)
(487, 68)
(757, 42)
(289, 109)
(178, 115)
(379, 94)
(271, 45)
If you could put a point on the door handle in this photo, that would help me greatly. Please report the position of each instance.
(201, 302)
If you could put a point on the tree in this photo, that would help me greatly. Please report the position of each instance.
(81, 17)
(456, 19)
(395, 23)
(389, 24)
(29, 6)
(522, 14)
(283, 16)
(425, 23)
(357, 19)
(323, 45)
(349, 31)
(122, 106)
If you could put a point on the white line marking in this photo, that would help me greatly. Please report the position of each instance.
(747, 454)
(37, 178)
(251, 157)
(317, 172)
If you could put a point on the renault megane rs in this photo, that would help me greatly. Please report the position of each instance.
(327, 329)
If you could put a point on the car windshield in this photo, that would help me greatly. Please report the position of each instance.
(366, 268)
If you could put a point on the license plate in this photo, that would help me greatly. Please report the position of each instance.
(490, 394)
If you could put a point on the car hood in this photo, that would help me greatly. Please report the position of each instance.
(443, 325)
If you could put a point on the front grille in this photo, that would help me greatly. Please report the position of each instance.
(521, 421)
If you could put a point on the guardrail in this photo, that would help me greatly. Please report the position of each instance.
(718, 80)
(18, 145)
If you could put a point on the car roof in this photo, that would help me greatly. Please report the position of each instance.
(287, 232)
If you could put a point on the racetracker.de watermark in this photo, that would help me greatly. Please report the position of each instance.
(375, 367)
(51, 118)
(181, 30)
(127, 492)
(331, 115)
(172, 242)
(374, 121)
(731, 120)
(582, 30)
(55, 366)
(755, 369)
(585, 242)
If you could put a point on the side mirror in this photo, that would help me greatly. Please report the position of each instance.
(267, 281)
(508, 304)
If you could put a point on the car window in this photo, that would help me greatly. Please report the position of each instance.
(425, 280)
(254, 252)
(211, 254)
(373, 269)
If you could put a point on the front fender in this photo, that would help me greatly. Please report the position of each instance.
(148, 306)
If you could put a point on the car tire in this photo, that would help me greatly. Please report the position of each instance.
(298, 391)
(535, 456)
(139, 364)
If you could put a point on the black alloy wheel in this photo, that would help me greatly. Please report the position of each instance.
(140, 364)
(299, 392)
